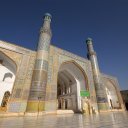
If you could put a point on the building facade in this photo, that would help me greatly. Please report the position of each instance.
(52, 79)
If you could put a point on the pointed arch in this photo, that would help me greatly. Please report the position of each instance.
(80, 68)
(71, 80)
(8, 69)
(113, 94)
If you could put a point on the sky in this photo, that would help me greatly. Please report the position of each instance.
(73, 21)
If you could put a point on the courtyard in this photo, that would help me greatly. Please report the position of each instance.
(103, 120)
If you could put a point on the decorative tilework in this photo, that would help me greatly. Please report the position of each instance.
(53, 68)
(45, 65)
(38, 83)
(14, 107)
(43, 43)
(30, 68)
(50, 67)
(46, 30)
(41, 64)
(37, 93)
(39, 75)
(25, 60)
(24, 71)
(17, 93)
(51, 96)
(23, 107)
(19, 82)
(14, 48)
(25, 94)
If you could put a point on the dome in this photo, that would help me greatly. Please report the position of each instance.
(89, 40)
(48, 14)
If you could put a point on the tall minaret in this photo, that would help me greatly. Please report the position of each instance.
(40, 72)
(100, 92)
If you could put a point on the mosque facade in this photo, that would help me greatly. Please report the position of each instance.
(52, 79)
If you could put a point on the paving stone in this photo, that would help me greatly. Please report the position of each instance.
(104, 120)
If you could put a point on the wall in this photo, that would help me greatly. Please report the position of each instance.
(58, 56)
(24, 60)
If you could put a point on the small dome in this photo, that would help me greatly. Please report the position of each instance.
(89, 40)
(48, 14)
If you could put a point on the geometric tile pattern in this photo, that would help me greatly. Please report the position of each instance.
(41, 64)
(25, 62)
(56, 58)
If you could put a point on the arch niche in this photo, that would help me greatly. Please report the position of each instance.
(7, 78)
(112, 95)
(71, 79)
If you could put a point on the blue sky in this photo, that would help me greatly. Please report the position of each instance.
(105, 21)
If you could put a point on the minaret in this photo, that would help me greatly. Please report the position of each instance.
(39, 79)
(100, 92)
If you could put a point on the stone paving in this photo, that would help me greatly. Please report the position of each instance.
(104, 120)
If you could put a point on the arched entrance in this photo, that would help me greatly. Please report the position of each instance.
(113, 100)
(71, 80)
(7, 78)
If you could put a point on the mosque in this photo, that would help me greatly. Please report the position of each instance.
(51, 79)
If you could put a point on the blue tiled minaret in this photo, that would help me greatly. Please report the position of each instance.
(39, 79)
(100, 91)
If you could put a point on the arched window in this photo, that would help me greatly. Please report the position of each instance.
(5, 99)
